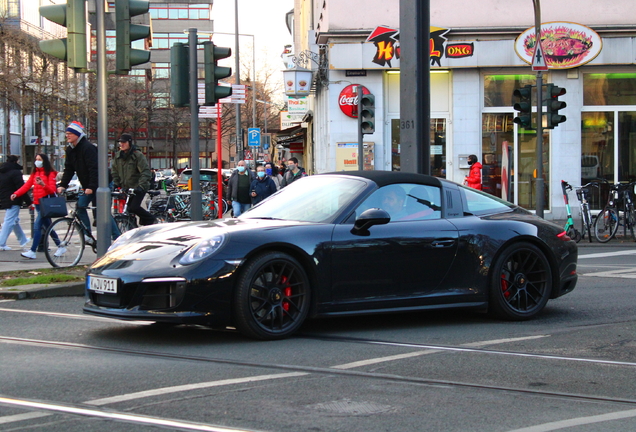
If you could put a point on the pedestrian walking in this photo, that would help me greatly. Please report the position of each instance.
(10, 181)
(272, 171)
(473, 179)
(131, 171)
(42, 180)
(262, 187)
(81, 158)
(239, 188)
(293, 173)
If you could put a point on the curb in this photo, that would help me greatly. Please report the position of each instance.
(37, 291)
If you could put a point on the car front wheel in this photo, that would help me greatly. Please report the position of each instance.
(521, 282)
(272, 296)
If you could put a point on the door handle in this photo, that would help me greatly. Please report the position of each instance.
(443, 243)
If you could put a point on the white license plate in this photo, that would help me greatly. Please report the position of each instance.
(102, 284)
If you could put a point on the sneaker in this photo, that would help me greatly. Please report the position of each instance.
(5, 248)
(61, 250)
(26, 242)
(29, 254)
(88, 240)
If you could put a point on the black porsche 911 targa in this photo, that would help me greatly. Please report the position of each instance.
(338, 244)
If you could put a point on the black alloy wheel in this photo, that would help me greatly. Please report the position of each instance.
(521, 282)
(272, 296)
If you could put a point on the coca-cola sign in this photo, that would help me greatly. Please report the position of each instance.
(348, 99)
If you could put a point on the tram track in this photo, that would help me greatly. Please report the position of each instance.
(307, 370)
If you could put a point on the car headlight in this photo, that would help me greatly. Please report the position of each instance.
(203, 249)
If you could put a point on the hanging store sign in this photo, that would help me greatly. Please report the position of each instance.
(565, 45)
(348, 100)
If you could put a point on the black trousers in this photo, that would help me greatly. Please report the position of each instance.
(135, 207)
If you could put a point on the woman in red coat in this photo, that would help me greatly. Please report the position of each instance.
(473, 179)
(43, 182)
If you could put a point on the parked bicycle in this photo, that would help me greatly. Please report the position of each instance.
(583, 195)
(65, 240)
(608, 221)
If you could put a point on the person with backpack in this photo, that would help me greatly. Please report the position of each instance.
(293, 173)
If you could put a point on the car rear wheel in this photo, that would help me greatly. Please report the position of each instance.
(521, 282)
(272, 295)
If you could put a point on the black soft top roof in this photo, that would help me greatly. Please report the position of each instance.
(383, 178)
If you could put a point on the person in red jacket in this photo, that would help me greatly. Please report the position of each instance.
(473, 179)
(42, 180)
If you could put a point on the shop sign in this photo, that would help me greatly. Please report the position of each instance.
(460, 50)
(347, 156)
(288, 120)
(298, 106)
(348, 100)
(387, 44)
(565, 45)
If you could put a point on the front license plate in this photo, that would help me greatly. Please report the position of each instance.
(102, 284)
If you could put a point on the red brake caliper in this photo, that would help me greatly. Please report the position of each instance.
(505, 285)
(288, 293)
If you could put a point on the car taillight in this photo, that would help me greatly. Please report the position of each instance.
(564, 236)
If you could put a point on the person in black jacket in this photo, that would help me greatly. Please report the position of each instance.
(10, 181)
(81, 158)
(262, 187)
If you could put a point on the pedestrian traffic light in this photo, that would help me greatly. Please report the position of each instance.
(126, 33)
(213, 73)
(554, 105)
(524, 106)
(179, 75)
(73, 48)
(366, 111)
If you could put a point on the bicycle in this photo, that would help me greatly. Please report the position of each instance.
(626, 206)
(569, 227)
(583, 195)
(126, 221)
(65, 240)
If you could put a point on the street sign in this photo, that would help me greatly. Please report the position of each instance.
(254, 137)
(538, 60)
(248, 155)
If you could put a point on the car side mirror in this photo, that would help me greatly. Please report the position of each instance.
(368, 218)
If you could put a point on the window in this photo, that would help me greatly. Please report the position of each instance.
(479, 203)
(179, 11)
(405, 202)
(609, 89)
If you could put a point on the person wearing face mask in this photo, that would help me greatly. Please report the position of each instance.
(42, 180)
(293, 173)
(262, 187)
(239, 190)
(272, 171)
(473, 179)
(10, 181)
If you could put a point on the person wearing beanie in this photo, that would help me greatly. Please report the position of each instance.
(81, 158)
(131, 171)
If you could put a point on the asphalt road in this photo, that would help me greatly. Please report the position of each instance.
(572, 368)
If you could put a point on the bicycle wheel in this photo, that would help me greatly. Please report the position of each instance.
(630, 219)
(64, 243)
(586, 220)
(606, 225)
(124, 223)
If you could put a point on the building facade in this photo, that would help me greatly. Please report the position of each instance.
(477, 61)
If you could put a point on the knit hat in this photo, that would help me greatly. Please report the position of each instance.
(77, 128)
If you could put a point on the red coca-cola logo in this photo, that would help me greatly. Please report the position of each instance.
(348, 99)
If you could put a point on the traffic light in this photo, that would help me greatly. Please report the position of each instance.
(126, 33)
(524, 106)
(73, 48)
(179, 75)
(366, 111)
(213, 73)
(554, 105)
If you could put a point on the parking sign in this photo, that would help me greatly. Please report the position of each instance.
(254, 137)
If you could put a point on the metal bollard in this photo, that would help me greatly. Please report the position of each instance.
(32, 214)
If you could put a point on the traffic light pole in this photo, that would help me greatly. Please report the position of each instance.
(540, 187)
(103, 199)
(196, 212)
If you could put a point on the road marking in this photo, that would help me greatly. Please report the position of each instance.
(129, 418)
(552, 426)
(629, 273)
(188, 387)
(607, 254)
(22, 417)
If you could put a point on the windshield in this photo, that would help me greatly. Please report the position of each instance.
(310, 199)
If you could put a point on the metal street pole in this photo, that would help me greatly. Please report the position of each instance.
(196, 213)
(539, 182)
(103, 199)
(360, 135)
(237, 107)
(415, 91)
